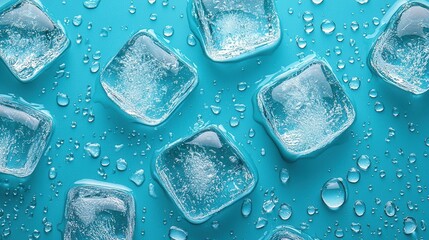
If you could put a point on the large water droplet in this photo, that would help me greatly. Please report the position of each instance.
(410, 225)
(364, 162)
(285, 211)
(246, 207)
(390, 209)
(327, 26)
(359, 208)
(334, 193)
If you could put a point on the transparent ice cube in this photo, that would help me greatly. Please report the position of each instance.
(204, 174)
(147, 80)
(231, 30)
(305, 108)
(98, 210)
(401, 53)
(24, 135)
(29, 39)
(287, 232)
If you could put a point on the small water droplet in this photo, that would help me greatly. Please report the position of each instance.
(285, 211)
(284, 175)
(353, 175)
(390, 209)
(234, 122)
(327, 26)
(246, 207)
(168, 31)
(359, 208)
(317, 2)
(62, 100)
(379, 107)
(93, 149)
(176, 233)
(91, 4)
(364, 162)
(52, 173)
(268, 206)
(121, 164)
(192, 41)
(261, 223)
(77, 20)
(138, 177)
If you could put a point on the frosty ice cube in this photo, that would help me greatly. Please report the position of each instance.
(304, 108)
(232, 30)
(24, 135)
(97, 210)
(204, 173)
(401, 53)
(287, 232)
(147, 80)
(29, 39)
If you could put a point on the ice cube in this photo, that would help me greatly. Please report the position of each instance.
(305, 108)
(24, 135)
(29, 39)
(287, 232)
(401, 53)
(204, 173)
(232, 30)
(98, 210)
(147, 80)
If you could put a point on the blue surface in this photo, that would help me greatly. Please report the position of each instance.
(24, 206)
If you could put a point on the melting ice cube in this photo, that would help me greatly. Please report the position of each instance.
(231, 30)
(24, 135)
(401, 53)
(147, 80)
(97, 210)
(204, 174)
(305, 108)
(29, 39)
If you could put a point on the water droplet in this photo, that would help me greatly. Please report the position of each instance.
(105, 161)
(354, 84)
(354, 26)
(153, 17)
(353, 175)
(364, 162)
(234, 122)
(317, 2)
(373, 93)
(285, 211)
(91, 4)
(339, 233)
(93, 149)
(132, 9)
(138, 177)
(356, 227)
(327, 26)
(151, 1)
(52, 173)
(261, 223)
(410, 225)
(301, 42)
(121, 164)
(334, 193)
(242, 86)
(77, 20)
(192, 41)
(216, 109)
(390, 209)
(176, 233)
(379, 107)
(359, 208)
(152, 192)
(308, 16)
(168, 31)
(268, 206)
(311, 210)
(284, 175)
(95, 67)
(246, 207)
(62, 100)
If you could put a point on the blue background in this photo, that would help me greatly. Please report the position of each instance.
(21, 215)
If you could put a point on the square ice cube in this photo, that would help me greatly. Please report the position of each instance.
(29, 39)
(304, 109)
(147, 80)
(287, 232)
(232, 30)
(401, 53)
(24, 135)
(204, 173)
(98, 210)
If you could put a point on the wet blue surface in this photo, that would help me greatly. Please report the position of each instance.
(92, 117)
